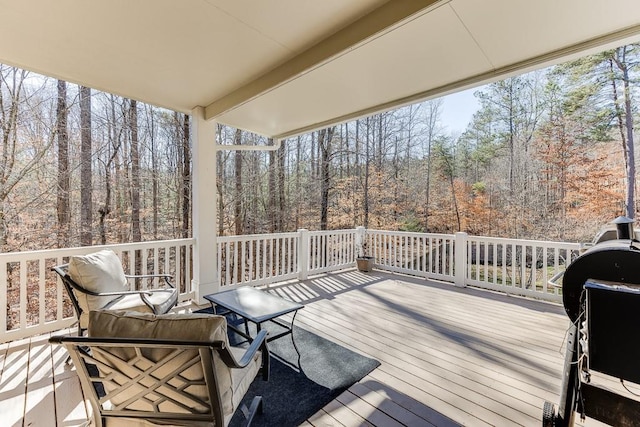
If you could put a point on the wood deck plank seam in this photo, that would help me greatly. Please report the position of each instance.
(443, 383)
(480, 402)
(437, 344)
(386, 405)
(368, 412)
(408, 403)
(382, 313)
(436, 313)
(553, 347)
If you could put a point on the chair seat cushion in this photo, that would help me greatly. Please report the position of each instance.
(232, 383)
(241, 379)
(162, 300)
(128, 303)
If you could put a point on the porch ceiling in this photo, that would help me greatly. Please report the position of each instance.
(283, 67)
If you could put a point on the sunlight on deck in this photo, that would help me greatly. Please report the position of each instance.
(449, 356)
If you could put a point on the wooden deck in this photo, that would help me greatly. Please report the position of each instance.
(448, 356)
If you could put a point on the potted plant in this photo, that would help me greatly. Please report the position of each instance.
(364, 262)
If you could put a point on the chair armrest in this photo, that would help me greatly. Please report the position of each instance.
(166, 277)
(65, 276)
(259, 342)
(112, 294)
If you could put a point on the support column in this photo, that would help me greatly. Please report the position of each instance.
(205, 257)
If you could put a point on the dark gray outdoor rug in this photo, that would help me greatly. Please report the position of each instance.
(290, 397)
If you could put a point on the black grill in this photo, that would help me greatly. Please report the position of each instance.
(601, 295)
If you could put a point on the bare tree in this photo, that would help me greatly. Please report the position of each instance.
(325, 137)
(432, 118)
(114, 139)
(621, 58)
(237, 204)
(281, 186)
(186, 176)
(86, 190)
(220, 182)
(17, 157)
(135, 172)
(63, 204)
(155, 180)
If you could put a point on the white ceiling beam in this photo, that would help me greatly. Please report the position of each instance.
(374, 24)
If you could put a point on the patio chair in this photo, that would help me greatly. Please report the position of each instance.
(97, 281)
(139, 369)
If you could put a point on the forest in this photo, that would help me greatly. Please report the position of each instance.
(548, 155)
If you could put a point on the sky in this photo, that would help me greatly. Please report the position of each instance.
(458, 109)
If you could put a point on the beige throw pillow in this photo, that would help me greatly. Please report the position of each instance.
(98, 272)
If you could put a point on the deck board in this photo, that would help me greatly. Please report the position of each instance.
(470, 355)
(13, 383)
(449, 356)
(40, 401)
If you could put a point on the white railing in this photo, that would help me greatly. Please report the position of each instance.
(33, 300)
(257, 259)
(521, 267)
(328, 250)
(261, 259)
(419, 254)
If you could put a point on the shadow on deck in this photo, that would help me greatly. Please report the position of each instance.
(449, 356)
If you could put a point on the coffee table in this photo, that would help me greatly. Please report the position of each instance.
(258, 307)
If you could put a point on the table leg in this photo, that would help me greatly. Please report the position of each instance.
(293, 341)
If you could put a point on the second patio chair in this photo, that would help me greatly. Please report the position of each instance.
(138, 369)
(97, 281)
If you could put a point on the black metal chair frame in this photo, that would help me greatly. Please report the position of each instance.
(70, 285)
(94, 379)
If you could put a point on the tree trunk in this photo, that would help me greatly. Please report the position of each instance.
(238, 219)
(113, 147)
(367, 163)
(272, 201)
(63, 205)
(237, 202)
(619, 57)
(118, 175)
(325, 137)
(298, 202)
(136, 232)
(154, 171)
(105, 209)
(186, 177)
(281, 186)
(86, 190)
(220, 179)
(430, 135)
(631, 168)
(135, 173)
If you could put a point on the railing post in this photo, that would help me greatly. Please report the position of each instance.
(361, 234)
(460, 259)
(303, 254)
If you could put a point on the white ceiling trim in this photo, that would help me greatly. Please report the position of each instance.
(608, 41)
